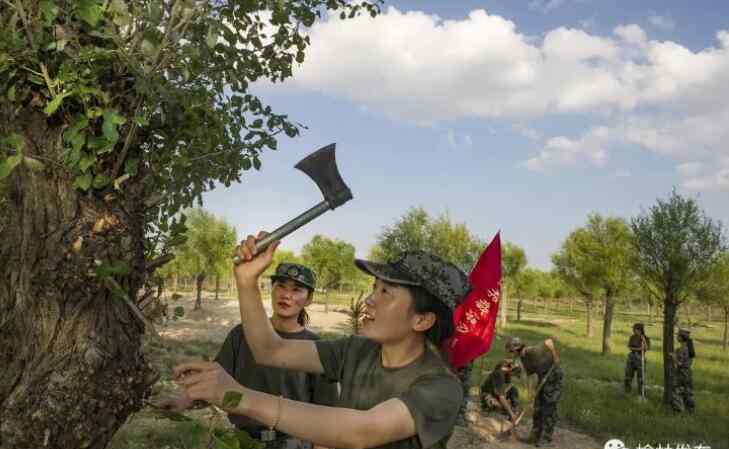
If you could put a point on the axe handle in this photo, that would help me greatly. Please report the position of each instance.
(289, 227)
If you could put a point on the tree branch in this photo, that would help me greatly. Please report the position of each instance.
(158, 262)
(24, 19)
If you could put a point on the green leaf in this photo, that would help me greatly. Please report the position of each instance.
(111, 120)
(257, 123)
(120, 12)
(49, 10)
(231, 399)
(90, 11)
(179, 311)
(87, 160)
(9, 164)
(109, 269)
(53, 105)
(83, 182)
(246, 164)
(14, 141)
(256, 163)
(212, 38)
(131, 166)
(101, 181)
(11, 93)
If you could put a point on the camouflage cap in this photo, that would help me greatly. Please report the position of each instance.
(296, 272)
(684, 332)
(438, 277)
(513, 344)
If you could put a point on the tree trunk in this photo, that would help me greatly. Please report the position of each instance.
(726, 325)
(518, 309)
(669, 318)
(708, 313)
(326, 300)
(503, 308)
(650, 311)
(199, 283)
(572, 302)
(217, 286)
(174, 283)
(588, 305)
(607, 327)
(72, 369)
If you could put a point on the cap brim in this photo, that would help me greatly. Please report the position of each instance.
(276, 277)
(385, 272)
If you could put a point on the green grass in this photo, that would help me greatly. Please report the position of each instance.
(593, 400)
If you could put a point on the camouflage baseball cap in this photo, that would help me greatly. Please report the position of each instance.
(513, 344)
(438, 277)
(296, 272)
(684, 332)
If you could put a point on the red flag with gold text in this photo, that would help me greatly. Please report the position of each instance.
(475, 318)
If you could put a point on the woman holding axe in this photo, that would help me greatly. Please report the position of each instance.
(542, 360)
(396, 391)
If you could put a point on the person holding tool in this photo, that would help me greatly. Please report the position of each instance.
(497, 391)
(396, 390)
(638, 344)
(542, 360)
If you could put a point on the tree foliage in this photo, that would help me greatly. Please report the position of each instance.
(151, 97)
(331, 260)
(418, 230)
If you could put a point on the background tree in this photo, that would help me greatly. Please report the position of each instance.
(208, 249)
(115, 115)
(597, 257)
(418, 230)
(525, 285)
(573, 265)
(513, 261)
(331, 260)
(676, 245)
(714, 290)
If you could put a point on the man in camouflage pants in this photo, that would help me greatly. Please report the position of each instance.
(542, 360)
(683, 390)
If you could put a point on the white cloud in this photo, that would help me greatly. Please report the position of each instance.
(662, 22)
(419, 68)
(544, 6)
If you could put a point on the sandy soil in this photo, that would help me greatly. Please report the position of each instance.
(482, 432)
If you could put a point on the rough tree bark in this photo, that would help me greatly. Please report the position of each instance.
(70, 349)
(518, 309)
(725, 340)
(588, 306)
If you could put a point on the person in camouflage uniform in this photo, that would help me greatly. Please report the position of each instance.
(638, 344)
(683, 390)
(542, 360)
(497, 391)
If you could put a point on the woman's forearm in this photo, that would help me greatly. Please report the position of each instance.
(257, 328)
(325, 426)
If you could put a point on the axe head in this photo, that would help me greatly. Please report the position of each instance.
(321, 166)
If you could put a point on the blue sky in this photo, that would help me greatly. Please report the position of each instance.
(516, 116)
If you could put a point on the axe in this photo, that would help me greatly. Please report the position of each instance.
(321, 166)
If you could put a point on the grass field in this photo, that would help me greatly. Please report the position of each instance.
(593, 399)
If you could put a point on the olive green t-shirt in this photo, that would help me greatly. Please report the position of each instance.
(496, 382)
(428, 389)
(236, 358)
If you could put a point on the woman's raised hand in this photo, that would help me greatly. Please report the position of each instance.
(253, 264)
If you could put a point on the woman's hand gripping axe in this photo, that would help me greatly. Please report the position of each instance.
(321, 166)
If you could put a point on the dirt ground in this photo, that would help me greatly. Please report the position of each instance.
(217, 317)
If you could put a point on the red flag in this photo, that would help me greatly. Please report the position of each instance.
(475, 318)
